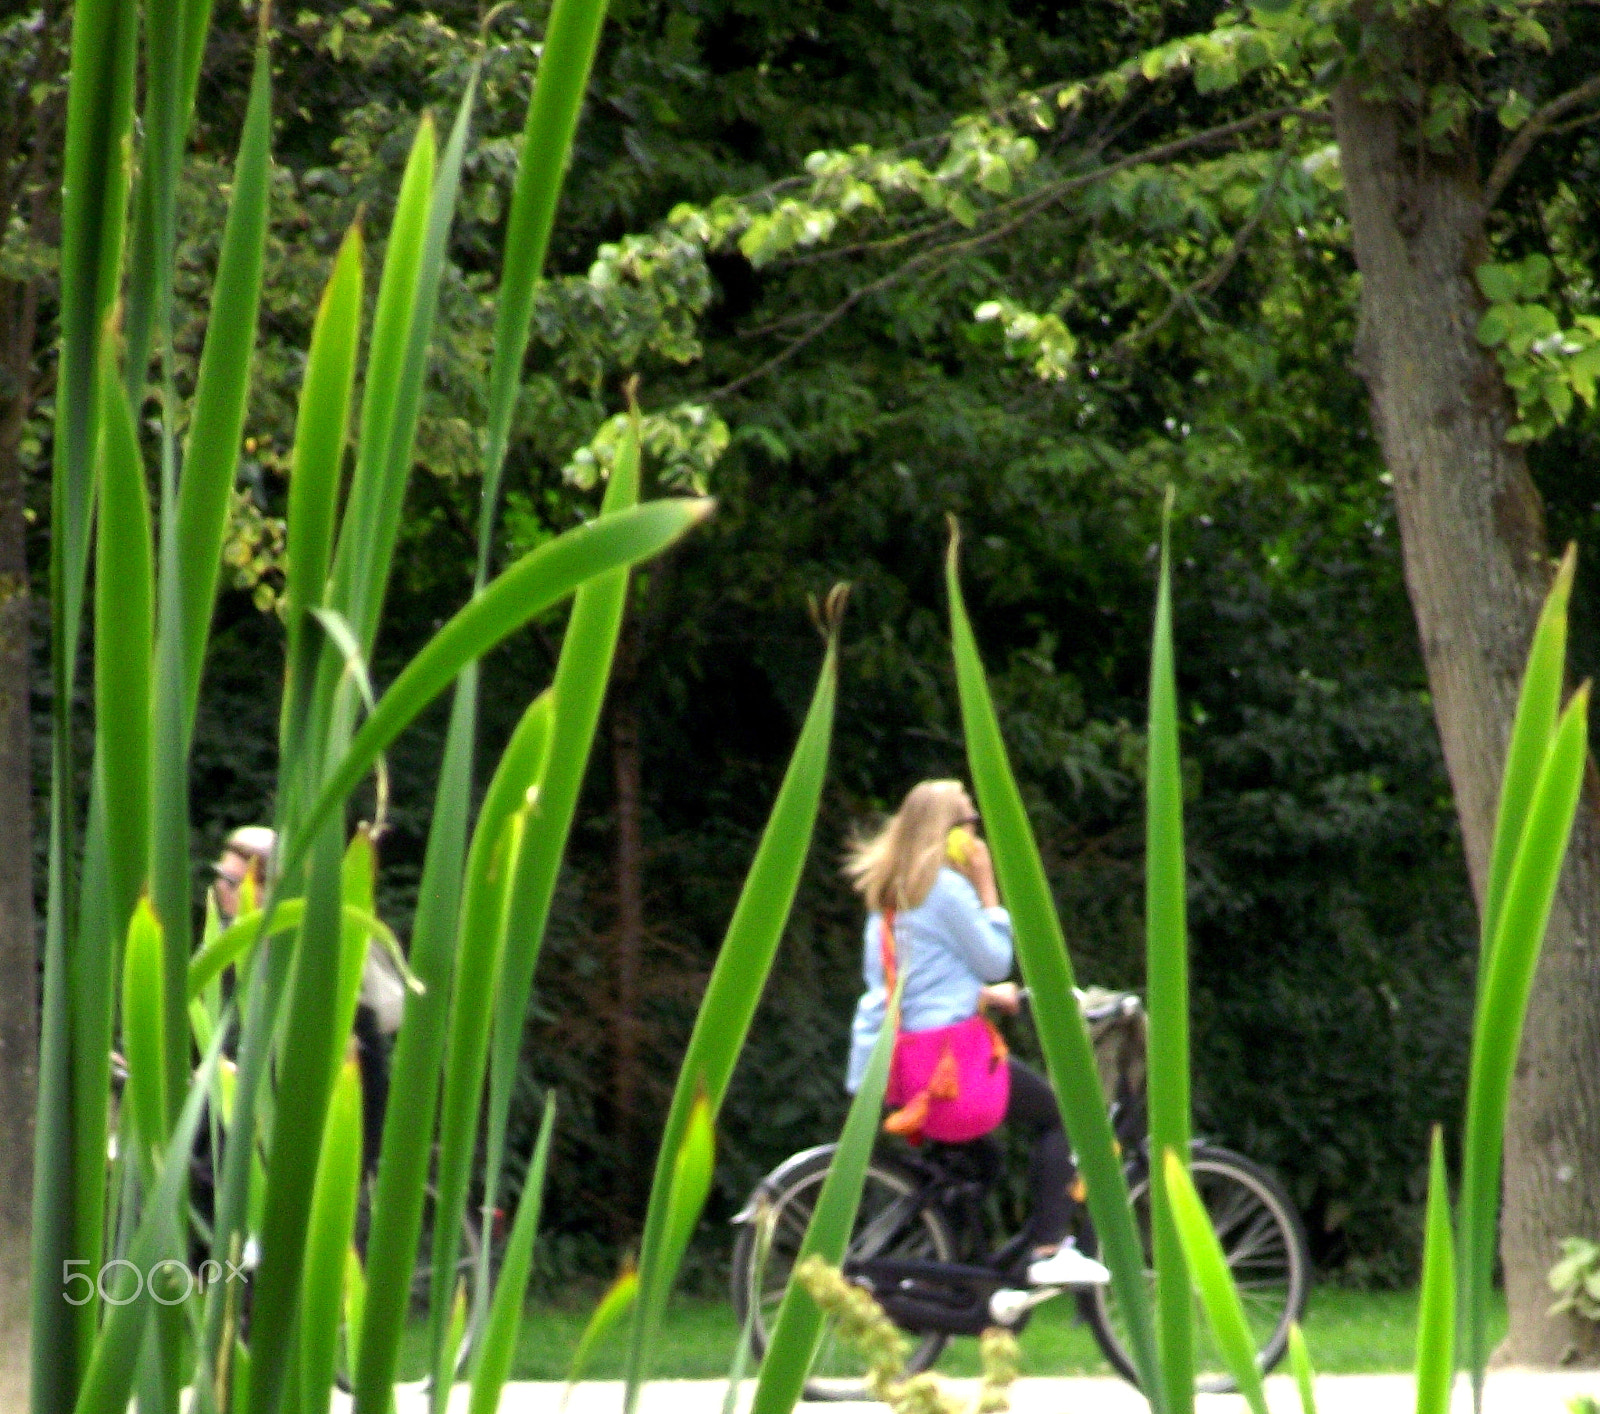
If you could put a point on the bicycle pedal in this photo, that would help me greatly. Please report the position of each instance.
(1007, 1306)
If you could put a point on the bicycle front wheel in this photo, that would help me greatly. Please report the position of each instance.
(1265, 1245)
(889, 1223)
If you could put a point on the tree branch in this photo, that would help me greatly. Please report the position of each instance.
(1211, 280)
(1018, 213)
(1519, 147)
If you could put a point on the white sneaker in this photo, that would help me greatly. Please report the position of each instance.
(1067, 1266)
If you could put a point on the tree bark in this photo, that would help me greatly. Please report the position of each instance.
(1477, 566)
(628, 942)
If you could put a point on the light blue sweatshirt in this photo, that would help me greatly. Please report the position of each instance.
(948, 947)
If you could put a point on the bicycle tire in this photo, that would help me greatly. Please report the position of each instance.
(1265, 1244)
(838, 1373)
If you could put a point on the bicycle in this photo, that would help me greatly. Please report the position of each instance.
(920, 1242)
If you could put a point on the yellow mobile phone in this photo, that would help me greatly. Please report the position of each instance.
(958, 845)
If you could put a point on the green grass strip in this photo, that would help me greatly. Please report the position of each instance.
(1214, 1281)
(798, 1329)
(1042, 951)
(1167, 984)
(735, 988)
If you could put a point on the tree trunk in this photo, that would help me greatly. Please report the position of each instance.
(629, 935)
(1477, 567)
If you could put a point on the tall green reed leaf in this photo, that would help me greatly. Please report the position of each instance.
(304, 1076)
(321, 427)
(223, 380)
(491, 1361)
(1436, 1311)
(231, 946)
(569, 45)
(1167, 984)
(735, 988)
(395, 313)
(109, 1374)
(143, 1042)
(1214, 1281)
(587, 649)
(333, 1213)
(798, 1329)
(164, 122)
(124, 632)
(541, 578)
(1042, 952)
(618, 1300)
(1300, 1366)
(497, 841)
(1497, 1034)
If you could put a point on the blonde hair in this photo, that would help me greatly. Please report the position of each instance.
(896, 867)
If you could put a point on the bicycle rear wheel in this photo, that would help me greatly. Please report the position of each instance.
(1266, 1250)
(889, 1223)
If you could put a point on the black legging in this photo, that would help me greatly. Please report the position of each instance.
(1032, 1108)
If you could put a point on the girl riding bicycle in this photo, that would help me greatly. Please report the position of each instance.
(935, 918)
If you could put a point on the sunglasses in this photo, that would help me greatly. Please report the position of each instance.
(970, 822)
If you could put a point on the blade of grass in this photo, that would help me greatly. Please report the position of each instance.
(1497, 1036)
(798, 1329)
(1436, 1310)
(579, 689)
(223, 380)
(109, 1376)
(569, 45)
(735, 988)
(322, 424)
(619, 1298)
(124, 632)
(229, 947)
(1047, 970)
(143, 1044)
(541, 578)
(1214, 1281)
(333, 1214)
(304, 1085)
(491, 864)
(1300, 1365)
(491, 1363)
(1167, 983)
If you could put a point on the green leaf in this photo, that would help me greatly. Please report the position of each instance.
(541, 578)
(321, 427)
(143, 1040)
(1533, 276)
(735, 988)
(1300, 1365)
(798, 1328)
(492, 860)
(569, 45)
(1214, 1281)
(578, 692)
(1506, 976)
(1495, 325)
(124, 633)
(492, 1360)
(1167, 974)
(690, 1186)
(333, 1213)
(620, 1295)
(223, 381)
(1042, 952)
(109, 1376)
(1436, 1311)
(1499, 283)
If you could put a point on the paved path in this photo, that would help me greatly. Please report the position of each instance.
(1509, 1392)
